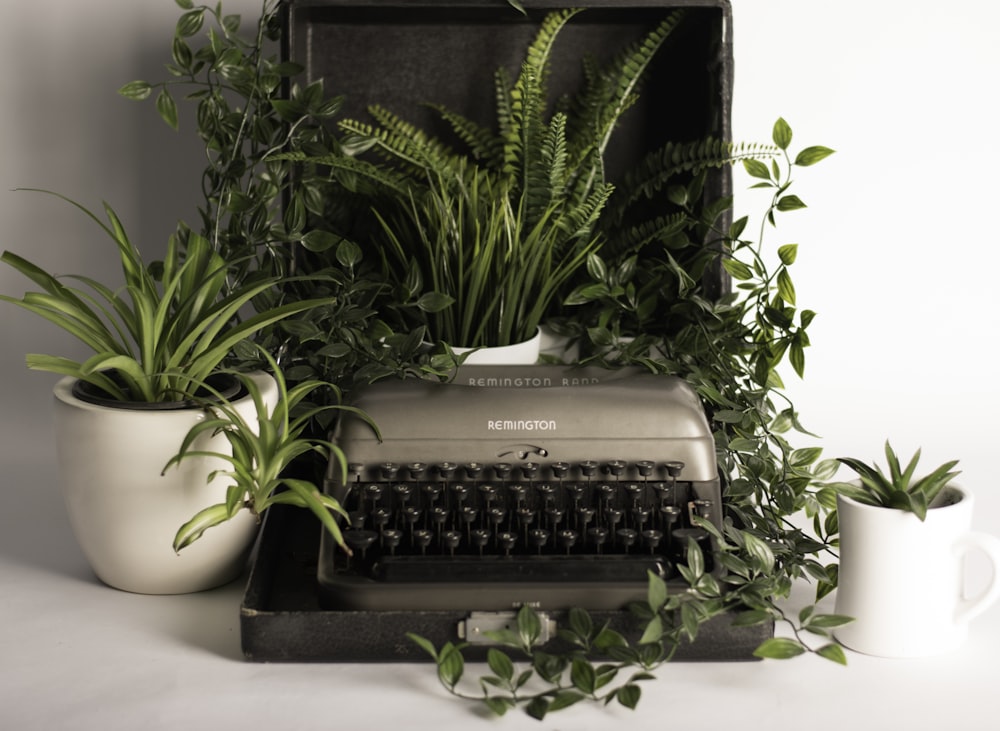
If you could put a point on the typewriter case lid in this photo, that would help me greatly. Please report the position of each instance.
(541, 414)
(404, 54)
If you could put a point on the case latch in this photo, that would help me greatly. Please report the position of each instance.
(473, 628)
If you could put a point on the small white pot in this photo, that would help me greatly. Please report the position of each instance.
(903, 580)
(125, 514)
(524, 353)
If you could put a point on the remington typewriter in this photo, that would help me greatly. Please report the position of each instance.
(550, 486)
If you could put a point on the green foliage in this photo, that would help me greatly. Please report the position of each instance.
(595, 663)
(263, 452)
(898, 489)
(269, 214)
(484, 241)
(164, 331)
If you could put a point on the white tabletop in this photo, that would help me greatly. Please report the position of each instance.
(75, 654)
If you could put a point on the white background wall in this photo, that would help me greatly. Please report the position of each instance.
(897, 249)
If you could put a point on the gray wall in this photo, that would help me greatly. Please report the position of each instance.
(898, 247)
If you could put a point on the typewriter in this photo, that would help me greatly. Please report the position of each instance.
(548, 486)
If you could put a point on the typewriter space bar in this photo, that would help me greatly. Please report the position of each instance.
(487, 569)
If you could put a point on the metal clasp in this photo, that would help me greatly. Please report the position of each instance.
(473, 628)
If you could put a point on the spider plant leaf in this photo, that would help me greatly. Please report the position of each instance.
(204, 519)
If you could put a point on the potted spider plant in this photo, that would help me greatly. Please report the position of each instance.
(903, 543)
(157, 341)
(266, 443)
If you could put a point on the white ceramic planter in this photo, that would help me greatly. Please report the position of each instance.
(524, 353)
(124, 513)
(903, 580)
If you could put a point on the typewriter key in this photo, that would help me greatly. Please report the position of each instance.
(391, 538)
(645, 467)
(567, 539)
(507, 541)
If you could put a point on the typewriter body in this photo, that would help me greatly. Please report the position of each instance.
(546, 486)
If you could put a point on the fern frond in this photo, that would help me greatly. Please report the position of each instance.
(658, 168)
(344, 168)
(482, 143)
(610, 91)
(402, 142)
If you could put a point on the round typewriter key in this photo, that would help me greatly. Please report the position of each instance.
(529, 470)
(415, 470)
(480, 537)
(597, 536)
(559, 469)
(645, 467)
(507, 541)
(473, 470)
(452, 539)
(652, 538)
(391, 538)
(381, 517)
(358, 539)
(634, 491)
(447, 469)
(614, 468)
(502, 470)
(459, 493)
(422, 538)
(674, 468)
(555, 516)
(538, 537)
(388, 470)
(588, 468)
(627, 536)
(567, 539)
(431, 492)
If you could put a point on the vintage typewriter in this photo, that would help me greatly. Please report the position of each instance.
(542, 485)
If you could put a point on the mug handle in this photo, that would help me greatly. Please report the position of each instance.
(990, 545)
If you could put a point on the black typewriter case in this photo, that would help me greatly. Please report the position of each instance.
(401, 53)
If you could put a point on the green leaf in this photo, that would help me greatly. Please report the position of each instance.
(656, 591)
(167, 108)
(583, 676)
(319, 241)
(628, 695)
(138, 90)
(653, 631)
(737, 269)
(757, 169)
(781, 134)
(425, 644)
(779, 648)
(451, 665)
(190, 22)
(833, 652)
(500, 664)
(790, 202)
(348, 254)
(529, 627)
(580, 623)
(812, 155)
(498, 704)
(788, 253)
(786, 289)
(434, 302)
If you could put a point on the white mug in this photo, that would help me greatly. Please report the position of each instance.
(903, 580)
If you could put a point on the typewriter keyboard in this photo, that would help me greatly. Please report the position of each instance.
(525, 523)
